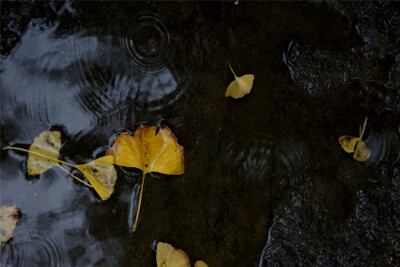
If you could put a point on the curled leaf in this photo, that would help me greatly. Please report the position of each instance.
(352, 144)
(240, 86)
(362, 152)
(149, 152)
(101, 175)
(48, 144)
(8, 222)
(348, 143)
(168, 256)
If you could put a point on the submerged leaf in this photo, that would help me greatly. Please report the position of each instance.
(8, 222)
(149, 152)
(240, 86)
(101, 175)
(168, 256)
(362, 152)
(352, 144)
(348, 143)
(48, 144)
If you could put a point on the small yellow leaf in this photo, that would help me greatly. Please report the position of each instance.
(348, 143)
(48, 144)
(168, 256)
(8, 222)
(362, 152)
(200, 264)
(240, 86)
(101, 175)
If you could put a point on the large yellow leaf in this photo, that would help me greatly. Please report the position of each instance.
(352, 144)
(168, 256)
(8, 222)
(149, 152)
(48, 144)
(240, 86)
(101, 175)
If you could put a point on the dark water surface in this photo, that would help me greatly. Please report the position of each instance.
(266, 182)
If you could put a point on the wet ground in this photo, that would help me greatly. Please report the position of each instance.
(266, 182)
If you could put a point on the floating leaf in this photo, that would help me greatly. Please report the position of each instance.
(200, 264)
(43, 155)
(168, 256)
(240, 86)
(46, 143)
(149, 152)
(348, 143)
(8, 222)
(101, 174)
(352, 144)
(362, 152)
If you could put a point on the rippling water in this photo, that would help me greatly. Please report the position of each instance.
(266, 182)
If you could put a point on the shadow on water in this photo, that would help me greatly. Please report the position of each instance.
(265, 181)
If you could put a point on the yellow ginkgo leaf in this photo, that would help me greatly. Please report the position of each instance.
(149, 152)
(200, 264)
(362, 152)
(101, 175)
(240, 86)
(8, 222)
(46, 143)
(352, 144)
(168, 256)
(43, 154)
(348, 143)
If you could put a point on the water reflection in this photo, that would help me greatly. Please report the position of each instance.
(47, 75)
(57, 239)
(98, 68)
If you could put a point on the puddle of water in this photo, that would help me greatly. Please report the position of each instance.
(266, 182)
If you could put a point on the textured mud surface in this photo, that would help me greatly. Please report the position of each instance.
(266, 182)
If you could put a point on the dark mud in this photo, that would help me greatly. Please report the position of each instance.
(265, 183)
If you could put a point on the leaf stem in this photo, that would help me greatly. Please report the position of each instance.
(62, 168)
(140, 202)
(232, 70)
(365, 124)
(39, 154)
(50, 158)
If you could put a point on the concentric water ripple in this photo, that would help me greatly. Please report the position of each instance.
(257, 157)
(252, 157)
(35, 247)
(293, 153)
(149, 44)
(92, 75)
(384, 145)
